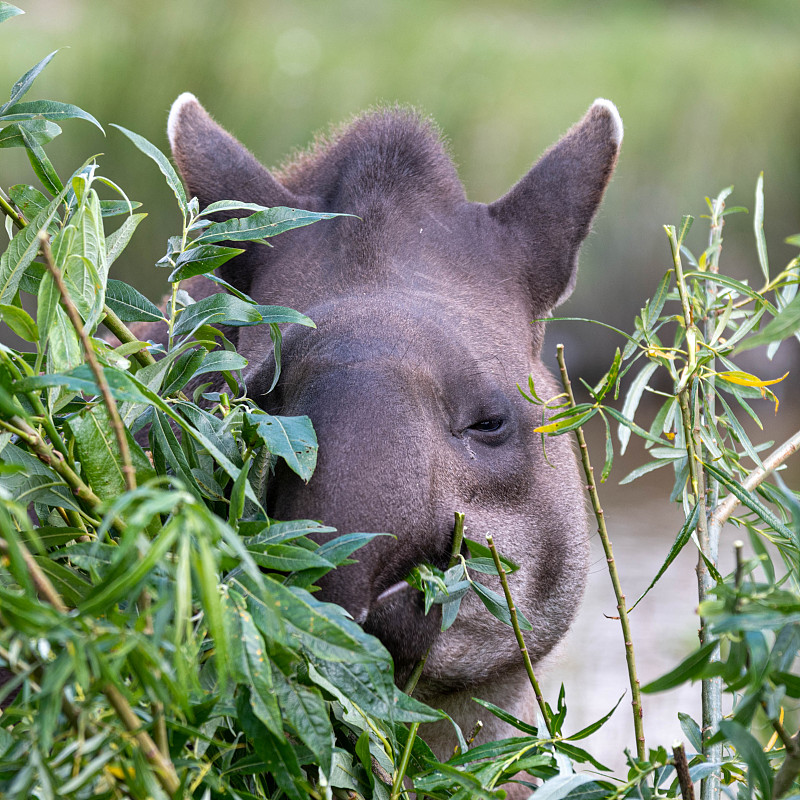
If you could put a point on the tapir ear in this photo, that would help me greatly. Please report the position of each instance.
(551, 209)
(214, 165)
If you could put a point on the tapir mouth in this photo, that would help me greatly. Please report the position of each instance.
(397, 616)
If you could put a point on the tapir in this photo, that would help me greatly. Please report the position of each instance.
(430, 313)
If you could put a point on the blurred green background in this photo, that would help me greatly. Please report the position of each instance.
(709, 93)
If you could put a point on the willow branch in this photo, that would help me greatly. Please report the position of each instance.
(124, 334)
(790, 768)
(682, 768)
(725, 509)
(602, 530)
(164, 768)
(523, 647)
(9, 211)
(72, 312)
(39, 578)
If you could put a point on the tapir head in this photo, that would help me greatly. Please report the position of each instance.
(428, 310)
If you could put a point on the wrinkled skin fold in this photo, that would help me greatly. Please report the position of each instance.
(424, 304)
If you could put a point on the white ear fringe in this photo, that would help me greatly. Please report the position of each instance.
(612, 112)
(174, 115)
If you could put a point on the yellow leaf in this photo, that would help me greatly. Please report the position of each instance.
(746, 379)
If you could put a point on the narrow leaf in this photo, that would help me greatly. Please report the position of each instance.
(20, 88)
(261, 225)
(758, 227)
(46, 109)
(7, 11)
(167, 170)
(689, 669)
(130, 305)
(40, 131)
(632, 400)
(684, 534)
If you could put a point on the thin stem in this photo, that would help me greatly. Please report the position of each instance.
(164, 768)
(9, 210)
(72, 312)
(48, 455)
(523, 648)
(722, 513)
(397, 784)
(413, 679)
(39, 578)
(682, 768)
(790, 768)
(125, 335)
(602, 530)
(458, 538)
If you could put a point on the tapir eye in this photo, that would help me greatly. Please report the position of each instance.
(487, 425)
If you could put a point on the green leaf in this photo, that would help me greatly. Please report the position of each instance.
(786, 323)
(497, 606)
(758, 227)
(21, 87)
(290, 438)
(113, 208)
(40, 163)
(167, 170)
(23, 249)
(40, 131)
(183, 370)
(691, 668)
(201, 259)
(262, 532)
(129, 305)
(99, 454)
(163, 440)
(255, 670)
(218, 309)
(590, 729)
(692, 731)
(658, 300)
(751, 501)
(505, 717)
(684, 534)
(632, 400)
(281, 315)
(46, 109)
(81, 379)
(570, 420)
(20, 322)
(319, 627)
(236, 507)
(72, 586)
(28, 200)
(563, 786)
(7, 11)
(261, 225)
(307, 713)
(737, 286)
(221, 361)
(759, 772)
(118, 241)
(478, 550)
(644, 469)
(36, 482)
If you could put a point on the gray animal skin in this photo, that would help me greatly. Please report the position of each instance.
(424, 307)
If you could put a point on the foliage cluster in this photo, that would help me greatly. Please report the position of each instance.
(159, 634)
